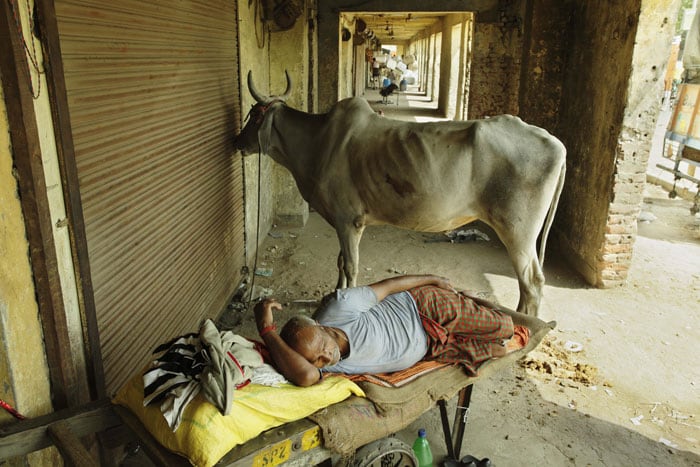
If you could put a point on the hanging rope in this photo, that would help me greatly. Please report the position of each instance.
(257, 227)
(31, 54)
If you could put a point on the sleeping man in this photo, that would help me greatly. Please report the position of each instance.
(383, 327)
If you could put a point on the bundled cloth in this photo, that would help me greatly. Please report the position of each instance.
(213, 362)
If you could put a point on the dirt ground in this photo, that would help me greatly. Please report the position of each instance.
(617, 383)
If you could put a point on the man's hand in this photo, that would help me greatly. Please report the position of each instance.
(288, 361)
(263, 312)
(444, 283)
(393, 285)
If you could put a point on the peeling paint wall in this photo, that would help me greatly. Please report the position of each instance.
(23, 369)
(450, 80)
(253, 45)
(289, 50)
(611, 93)
(346, 53)
(496, 63)
(601, 47)
(651, 51)
(268, 54)
(546, 31)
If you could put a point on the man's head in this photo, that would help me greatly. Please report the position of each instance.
(311, 340)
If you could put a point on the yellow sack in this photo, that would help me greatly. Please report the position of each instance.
(205, 436)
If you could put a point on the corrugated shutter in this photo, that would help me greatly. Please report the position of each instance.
(153, 100)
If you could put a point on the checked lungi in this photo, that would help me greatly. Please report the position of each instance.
(459, 329)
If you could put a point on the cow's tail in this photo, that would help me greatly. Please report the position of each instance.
(552, 210)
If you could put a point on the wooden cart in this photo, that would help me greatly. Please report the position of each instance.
(361, 430)
(682, 139)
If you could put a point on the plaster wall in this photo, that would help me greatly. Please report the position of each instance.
(607, 116)
(590, 122)
(430, 58)
(57, 209)
(644, 96)
(20, 323)
(253, 45)
(346, 53)
(496, 62)
(268, 55)
(546, 32)
(289, 50)
(23, 368)
(448, 94)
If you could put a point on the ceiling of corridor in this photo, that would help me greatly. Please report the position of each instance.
(398, 27)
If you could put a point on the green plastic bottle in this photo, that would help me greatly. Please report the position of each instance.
(421, 449)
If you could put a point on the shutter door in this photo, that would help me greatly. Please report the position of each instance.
(153, 99)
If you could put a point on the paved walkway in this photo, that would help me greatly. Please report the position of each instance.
(410, 105)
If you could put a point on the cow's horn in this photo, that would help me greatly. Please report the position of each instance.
(254, 92)
(288, 91)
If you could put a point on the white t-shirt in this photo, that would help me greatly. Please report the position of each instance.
(384, 336)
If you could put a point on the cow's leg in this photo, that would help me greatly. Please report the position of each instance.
(348, 261)
(530, 281)
(520, 241)
(342, 278)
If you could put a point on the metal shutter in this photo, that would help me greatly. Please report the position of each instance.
(153, 100)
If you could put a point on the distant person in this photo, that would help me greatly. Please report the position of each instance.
(386, 326)
(375, 73)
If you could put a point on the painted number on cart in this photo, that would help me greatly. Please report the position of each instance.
(274, 455)
(311, 438)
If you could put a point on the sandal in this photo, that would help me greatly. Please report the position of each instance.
(471, 461)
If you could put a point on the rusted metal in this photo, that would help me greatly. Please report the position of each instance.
(152, 91)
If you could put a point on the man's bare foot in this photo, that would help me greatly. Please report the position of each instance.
(498, 350)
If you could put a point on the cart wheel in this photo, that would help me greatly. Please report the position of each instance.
(672, 194)
(387, 452)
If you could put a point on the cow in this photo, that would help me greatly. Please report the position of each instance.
(356, 168)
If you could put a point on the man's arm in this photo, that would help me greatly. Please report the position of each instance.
(393, 285)
(293, 366)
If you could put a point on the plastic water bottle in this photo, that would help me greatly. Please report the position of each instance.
(421, 449)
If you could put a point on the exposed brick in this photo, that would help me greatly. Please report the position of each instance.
(622, 208)
(628, 187)
(614, 219)
(620, 267)
(619, 228)
(629, 198)
(615, 238)
(617, 248)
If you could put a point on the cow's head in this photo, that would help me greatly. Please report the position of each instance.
(249, 140)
